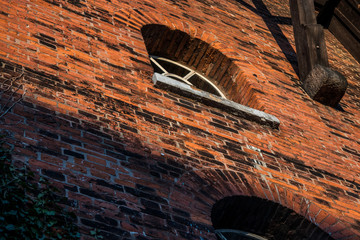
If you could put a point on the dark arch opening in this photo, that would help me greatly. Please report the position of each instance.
(264, 218)
(200, 56)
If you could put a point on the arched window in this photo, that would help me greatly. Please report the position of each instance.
(231, 234)
(180, 72)
(176, 54)
(243, 217)
(186, 65)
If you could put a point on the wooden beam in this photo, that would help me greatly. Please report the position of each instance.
(355, 3)
(345, 37)
(309, 37)
(316, 45)
(343, 22)
(319, 81)
(327, 12)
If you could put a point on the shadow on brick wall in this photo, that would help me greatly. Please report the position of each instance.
(273, 22)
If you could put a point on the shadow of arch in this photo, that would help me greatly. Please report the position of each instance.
(204, 57)
(263, 218)
(201, 192)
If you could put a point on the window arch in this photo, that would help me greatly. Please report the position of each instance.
(182, 73)
(216, 73)
(244, 217)
(195, 63)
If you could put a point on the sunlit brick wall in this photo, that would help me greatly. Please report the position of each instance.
(137, 162)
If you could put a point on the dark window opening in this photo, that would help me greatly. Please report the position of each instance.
(214, 72)
(184, 74)
(231, 234)
(184, 64)
(243, 217)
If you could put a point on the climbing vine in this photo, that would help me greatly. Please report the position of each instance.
(29, 206)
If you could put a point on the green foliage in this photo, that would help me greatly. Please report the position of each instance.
(30, 209)
(96, 234)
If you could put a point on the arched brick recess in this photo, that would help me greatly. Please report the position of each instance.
(264, 218)
(202, 57)
(204, 188)
(92, 113)
(238, 85)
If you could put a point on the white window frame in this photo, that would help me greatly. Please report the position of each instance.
(239, 233)
(186, 78)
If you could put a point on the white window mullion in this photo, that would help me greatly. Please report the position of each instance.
(186, 78)
(189, 75)
(158, 65)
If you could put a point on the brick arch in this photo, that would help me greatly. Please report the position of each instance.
(264, 218)
(199, 191)
(202, 52)
(238, 82)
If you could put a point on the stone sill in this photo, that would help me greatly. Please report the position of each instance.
(212, 100)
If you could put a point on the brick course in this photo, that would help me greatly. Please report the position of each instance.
(138, 162)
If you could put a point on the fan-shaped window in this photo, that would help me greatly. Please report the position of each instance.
(192, 61)
(185, 65)
(182, 73)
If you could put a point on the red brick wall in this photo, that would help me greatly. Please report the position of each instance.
(137, 161)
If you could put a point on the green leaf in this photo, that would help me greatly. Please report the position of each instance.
(31, 207)
(51, 223)
(10, 227)
(50, 213)
(40, 195)
(39, 224)
(12, 212)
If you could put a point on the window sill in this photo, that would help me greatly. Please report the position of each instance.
(212, 100)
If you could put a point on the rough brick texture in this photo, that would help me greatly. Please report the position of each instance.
(138, 162)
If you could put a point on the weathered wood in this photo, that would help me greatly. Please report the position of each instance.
(309, 37)
(316, 46)
(343, 22)
(355, 3)
(298, 33)
(347, 39)
(303, 11)
(319, 81)
(325, 85)
(327, 12)
(349, 16)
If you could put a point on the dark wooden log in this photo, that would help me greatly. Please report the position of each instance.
(325, 85)
(296, 15)
(316, 46)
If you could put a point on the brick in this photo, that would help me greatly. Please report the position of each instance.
(141, 162)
